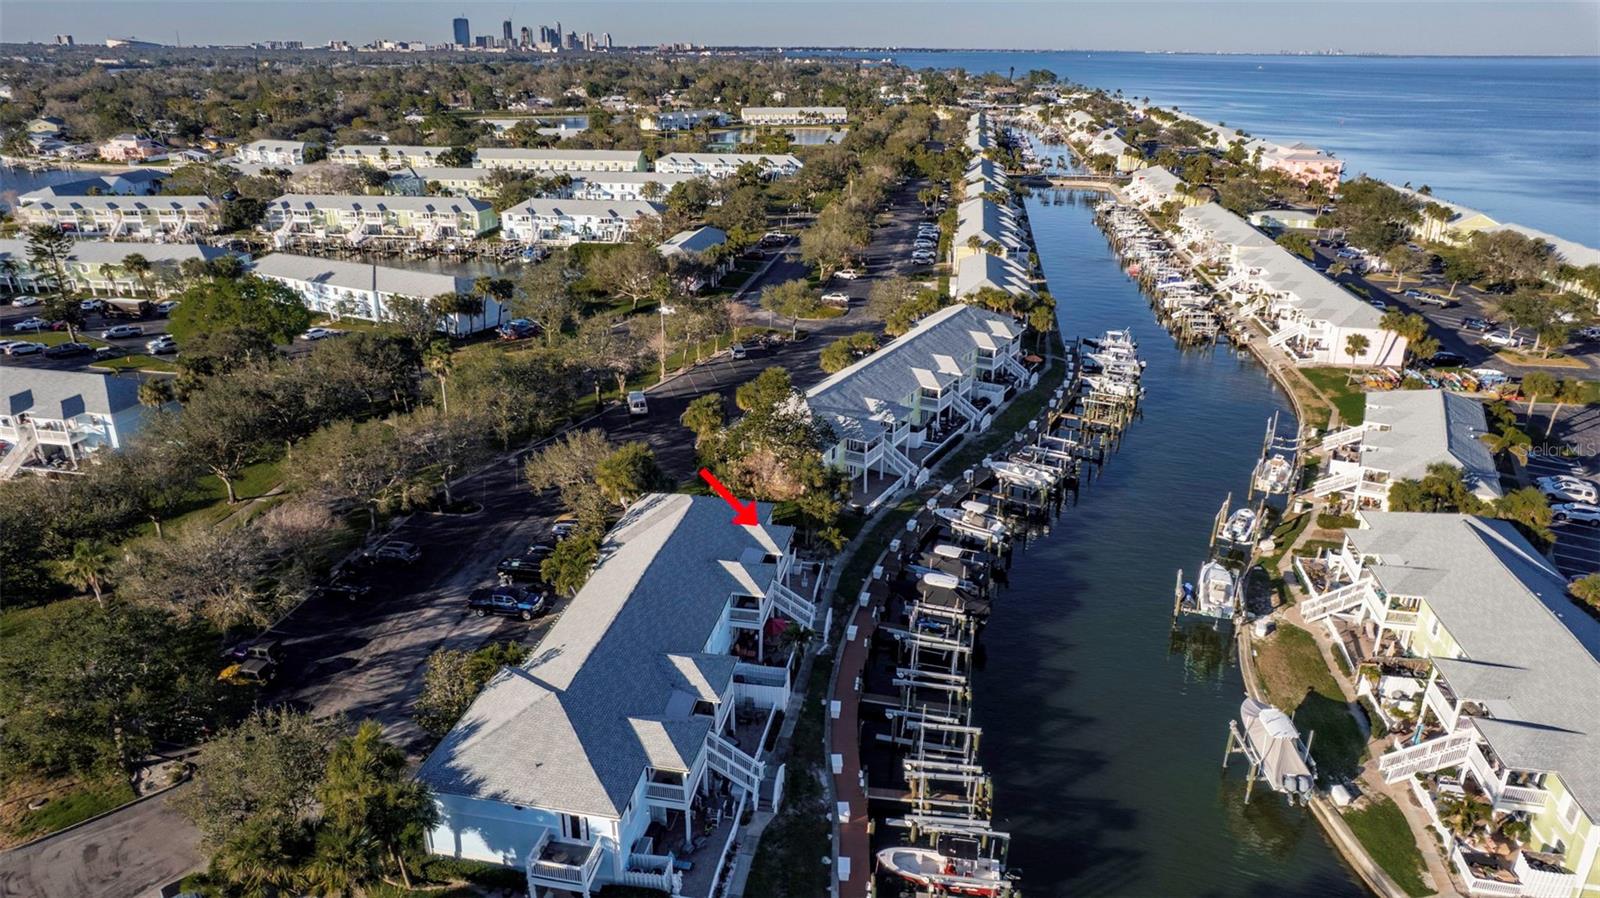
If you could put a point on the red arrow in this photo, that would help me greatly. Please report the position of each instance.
(745, 511)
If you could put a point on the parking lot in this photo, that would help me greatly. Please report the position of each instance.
(92, 333)
(1577, 549)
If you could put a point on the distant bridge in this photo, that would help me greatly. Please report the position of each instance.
(1103, 183)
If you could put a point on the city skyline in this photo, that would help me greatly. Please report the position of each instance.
(1420, 27)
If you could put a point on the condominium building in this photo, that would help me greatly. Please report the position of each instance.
(100, 267)
(697, 257)
(1152, 187)
(359, 219)
(982, 271)
(984, 226)
(560, 160)
(341, 290)
(899, 406)
(273, 152)
(985, 176)
(472, 182)
(1307, 315)
(722, 165)
(1124, 158)
(136, 218)
(564, 221)
(629, 747)
(794, 115)
(651, 186)
(680, 119)
(1404, 433)
(387, 156)
(1467, 646)
(54, 419)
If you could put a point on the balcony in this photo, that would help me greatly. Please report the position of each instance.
(561, 864)
(1484, 876)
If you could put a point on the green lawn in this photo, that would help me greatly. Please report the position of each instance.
(1298, 681)
(52, 338)
(209, 505)
(138, 363)
(82, 801)
(1383, 831)
(1347, 397)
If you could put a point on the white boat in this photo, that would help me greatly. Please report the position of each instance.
(1012, 472)
(1274, 740)
(973, 519)
(1241, 526)
(1273, 474)
(950, 875)
(1214, 594)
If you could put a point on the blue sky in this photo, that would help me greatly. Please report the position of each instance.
(1406, 26)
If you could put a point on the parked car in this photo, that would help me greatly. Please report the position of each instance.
(394, 552)
(738, 351)
(1434, 299)
(1481, 325)
(638, 403)
(320, 333)
(507, 601)
(165, 308)
(1447, 360)
(162, 345)
(34, 324)
(25, 301)
(923, 255)
(522, 567)
(68, 350)
(1576, 511)
(1568, 489)
(1504, 339)
(838, 297)
(23, 347)
(1589, 333)
(255, 663)
(344, 586)
(1378, 304)
(518, 329)
(564, 526)
(122, 332)
(92, 305)
(1414, 294)
(847, 274)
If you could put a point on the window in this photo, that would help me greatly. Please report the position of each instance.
(1568, 809)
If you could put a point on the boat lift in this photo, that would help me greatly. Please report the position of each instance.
(1278, 470)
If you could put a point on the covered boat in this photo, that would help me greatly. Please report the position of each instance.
(1274, 741)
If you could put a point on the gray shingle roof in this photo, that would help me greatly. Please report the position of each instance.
(127, 204)
(610, 689)
(454, 205)
(626, 210)
(697, 240)
(981, 270)
(1529, 655)
(360, 276)
(1428, 426)
(60, 395)
(98, 252)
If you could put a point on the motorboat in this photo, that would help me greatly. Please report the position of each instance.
(1273, 475)
(929, 868)
(1274, 741)
(1012, 472)
(937, 579)
(973, 518)
(1213, 592)
(1241, 526)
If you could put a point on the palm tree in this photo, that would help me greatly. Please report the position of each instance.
(86, 568)
(1509, 441)
(439, 362)
(138, 266)
(345, 860)
(1536, 384)
(1355, 345)
(1568, 392)
(8, 270)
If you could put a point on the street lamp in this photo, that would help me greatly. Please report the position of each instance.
(663, 311)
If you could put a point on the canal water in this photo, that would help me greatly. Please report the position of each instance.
(1104, 724)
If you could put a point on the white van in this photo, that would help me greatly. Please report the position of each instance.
(637, 404)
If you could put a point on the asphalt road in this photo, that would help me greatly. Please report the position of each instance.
(365, 658)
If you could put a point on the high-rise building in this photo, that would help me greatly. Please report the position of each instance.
(462, 34)
(506, 32)
(65, 40)
(571, 43)
(588, 40)
(527, 36)
(605, 40)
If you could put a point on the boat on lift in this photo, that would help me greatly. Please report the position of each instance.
(1285, 760)
(928, 868)
(1012, 472)
(1214, 592)
(1241, 526)
(973, 518)
(1273, 475)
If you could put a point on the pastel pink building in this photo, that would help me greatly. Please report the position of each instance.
(1306, 164)
(128, 148)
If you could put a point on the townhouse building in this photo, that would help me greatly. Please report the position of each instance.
(131, 218)
(894, 410)
(99, 267)
(1124, 158)
(984, 226)
(340, 290)
(680, 119)
(566, 221)
(1152, 187)
(133, 182)
(388, 156)
(979, 138)
(628, 747)
(1468, 645)
(984, 176)
(360, 219)
(274, 153)
(1305, 314)
(560, 160)
(982, 271)
(56, 419)
(476, 183)
(794, 115)
(722, 165)
(1403, 433)
(697, 257)
(650, 186)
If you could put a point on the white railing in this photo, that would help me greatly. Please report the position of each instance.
(553, 871)
(1344, 437)
(1537, 883)
(1442, 707)
(1449, 750)
(19, 454)
(794, 606)
(745, 616)
(1342, 599)
(730, 761)
(1522, 798)
(1480, 886)
(1502, 796)
(1333, 483)
(669, 793)
(727, 851)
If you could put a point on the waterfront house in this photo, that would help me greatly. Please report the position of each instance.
(55, 419)
(627, 185)
(387, 156)
(136, 218)
(627, 748)
(722, 165)
(453, 181)
(1124, 158)
(794, 115)
(698, 256)
(340, 290)
(984, 226)
(131, 148)
(360, 219)
(96, 267)
(893, 411)
(1403, 433)
(1304, 313)
(273, 153)
(565, 221)
(985, 176)
(1301, 162)
(1152, 187)
(546, 160)
(982, 271)
(680, 119)
(133, 182)
(1471, 649)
